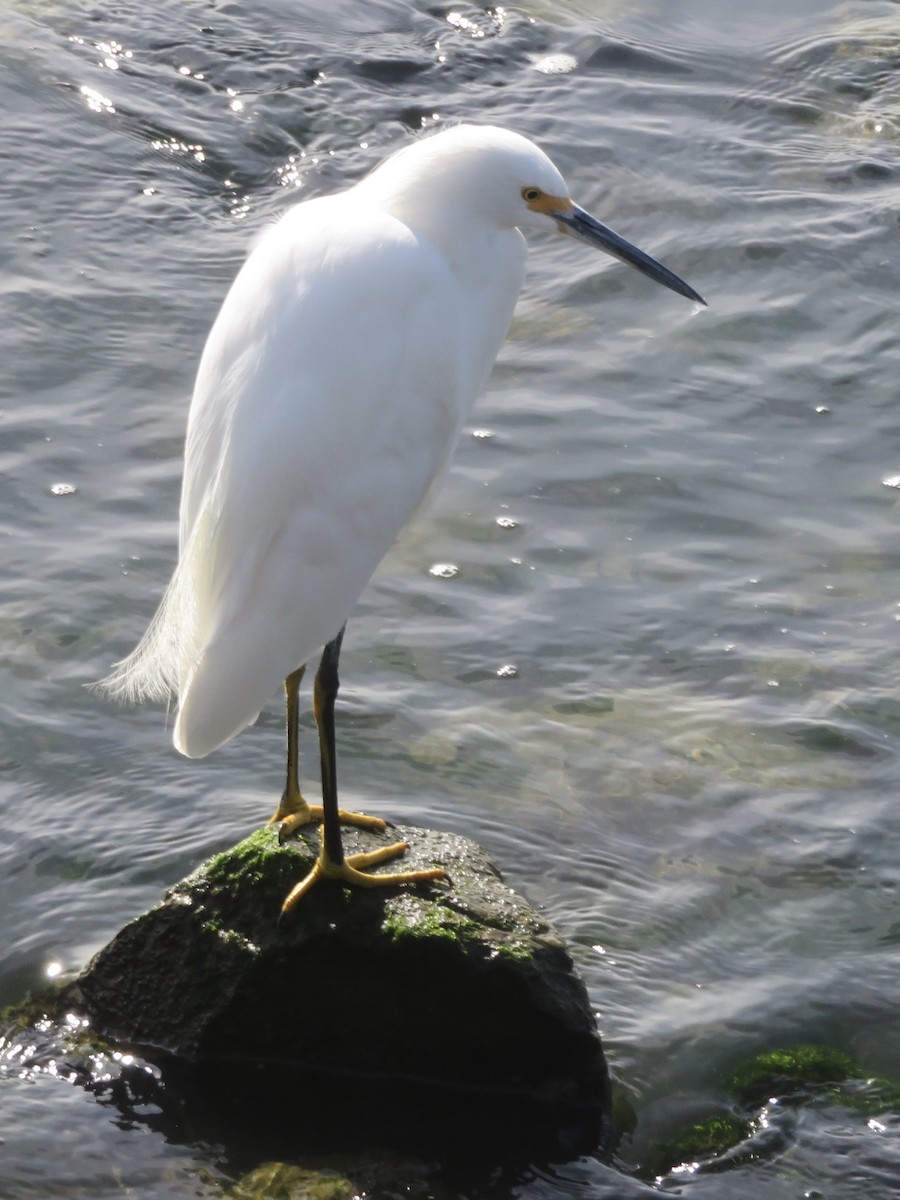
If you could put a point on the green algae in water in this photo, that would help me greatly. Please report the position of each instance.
(794, 1068)
(805, 1072)
(707, 1140)
(284, 1181)
(790, 1077)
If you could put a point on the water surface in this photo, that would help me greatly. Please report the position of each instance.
(643, 645)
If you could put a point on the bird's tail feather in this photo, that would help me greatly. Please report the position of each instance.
(150, 671)
(160, 663)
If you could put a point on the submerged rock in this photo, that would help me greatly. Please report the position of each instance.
(458, 988)
(754, 1117)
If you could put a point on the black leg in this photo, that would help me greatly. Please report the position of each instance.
(324, 695)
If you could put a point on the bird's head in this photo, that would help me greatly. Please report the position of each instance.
(484, 173)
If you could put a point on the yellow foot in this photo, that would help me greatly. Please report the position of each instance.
(351, 872)
(295, 819)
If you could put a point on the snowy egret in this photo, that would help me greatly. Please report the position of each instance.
(330, 394)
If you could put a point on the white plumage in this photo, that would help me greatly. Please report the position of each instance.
(329, 397)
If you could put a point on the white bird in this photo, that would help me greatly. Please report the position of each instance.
(330, 395)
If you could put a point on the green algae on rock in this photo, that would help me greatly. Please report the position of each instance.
(462, 985)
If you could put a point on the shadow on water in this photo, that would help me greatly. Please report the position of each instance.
(380, 1133)
(286, 1115)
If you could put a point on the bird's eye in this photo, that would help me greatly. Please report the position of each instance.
(530, 194)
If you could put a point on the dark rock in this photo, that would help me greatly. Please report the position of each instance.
(460, 986)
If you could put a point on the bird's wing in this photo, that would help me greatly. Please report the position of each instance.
(327, 401)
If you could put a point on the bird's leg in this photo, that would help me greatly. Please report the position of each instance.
(294, 812)
(331, 863)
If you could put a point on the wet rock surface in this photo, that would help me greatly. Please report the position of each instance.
(444, 1024)
(460, 984)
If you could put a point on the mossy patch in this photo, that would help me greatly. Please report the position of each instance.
(250, 863)
(285, 1181)
(410, 918)
(805, 1072)
(707, 1139)
(789, 1068)
(43, 1028)
(784, 1078)
(414, 918)
(46, 1003)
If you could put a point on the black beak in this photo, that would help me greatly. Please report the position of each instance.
(583, 227)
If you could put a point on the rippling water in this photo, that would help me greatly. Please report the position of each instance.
(643, 645)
